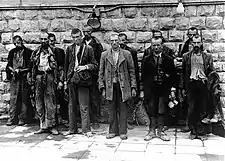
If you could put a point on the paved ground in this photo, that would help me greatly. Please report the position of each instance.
(20, 144)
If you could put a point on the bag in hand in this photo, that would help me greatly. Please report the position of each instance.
(82, 78)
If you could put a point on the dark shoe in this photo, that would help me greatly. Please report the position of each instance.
(11, 123)
(185, 129)
(88, 134)
(161, 135)
(110, 136)
(151, 134)
(54, 131)
(123, 137)
(21, 123)
(130, 127)
(95, 126)
(41, 131)
(70, 132)
(192, 136)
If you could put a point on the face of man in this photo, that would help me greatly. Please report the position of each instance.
(77, 38)
(114, 41)
(196, 43)
(122, 41)
(87, 33)
(18, 43)
(52, 41)
(156, 45)
(44, 40)
(191, 33)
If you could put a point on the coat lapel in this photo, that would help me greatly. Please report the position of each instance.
(121, 57)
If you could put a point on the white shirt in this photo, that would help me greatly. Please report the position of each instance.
(44, 64)
(88, 42)
(115, 56)
(76, 58)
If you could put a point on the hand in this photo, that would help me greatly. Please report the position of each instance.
(80, 68)
(48, 68)
(17, 71)
(177, 62)
(104, 93)
(59, 85)
(133, 92)
(142, 94)
(65, 87)
(183, 92)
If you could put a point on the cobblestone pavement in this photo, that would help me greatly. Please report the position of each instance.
(21, 144)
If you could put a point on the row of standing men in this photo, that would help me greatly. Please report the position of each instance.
(86, 73)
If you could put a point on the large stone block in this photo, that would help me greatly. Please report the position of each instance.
(208, 47)
(106, 24)
(166, 23)
(221, 56)
(136, 46)
(119, 25)
(44, 25)
(218, 47)
(13, 25)
(6, 38)
(137, 24)
(214, 22)
(66, 37)
(3, 65)
(205, 10)
(143, 37)
(57, 25)
(222, 76)
(222, 85)
(198, 22)
(8, 15)
(26, 14)
(47, 14)
(63, 13)
(29, 25)
(78, 15)
(9, 47)
(72, 23)
(153, 23)
(215, 57)
(32, 37)
(219, 66)
(114, 14)
(147, 11)
(171, 46)
(130, 12)
(182, 23)
(163, 11)
(3, 26)
(130, 35)
(220, 10)
(190, 11)
(221, 35)
(209, 35)
(32, 46)
(2, 49)
(6, 97)
(176, 35)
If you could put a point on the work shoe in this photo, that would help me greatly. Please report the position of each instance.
(123, 137)
(110, 136)
(9, 123)
(161, 135)
(54, 131)
(95, 125)
(185, 129)
(21, 123)
(151, 135)
(202, 137)
(70, 132)
(192, 136)
(88, 134)
(41, 131)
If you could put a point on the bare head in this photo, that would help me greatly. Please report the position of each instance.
(44, 39)
(114, 41)
(156, 45)
(77, 36)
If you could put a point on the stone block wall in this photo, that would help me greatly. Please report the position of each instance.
(137, 22)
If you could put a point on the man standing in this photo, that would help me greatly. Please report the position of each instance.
(123, 45)
(117, 84)
(44, 77)
(17, 69)
(60, 58)
(196, 66)
(79, 61)
(94, 91)
(158, 77)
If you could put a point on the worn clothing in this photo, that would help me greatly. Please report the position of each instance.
(45, 86)
(117, 112)
(19, 102)
(126, 74)
(77, 92)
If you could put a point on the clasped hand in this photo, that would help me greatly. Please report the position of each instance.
(80, 68)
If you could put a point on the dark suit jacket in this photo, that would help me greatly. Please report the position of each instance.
(60, 59)
(149, 71)
(26, 57)
(88, 59)
(136, 67)
(186, 67)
